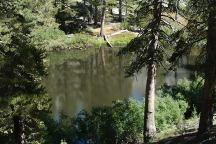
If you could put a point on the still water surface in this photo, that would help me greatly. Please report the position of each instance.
(98, 80)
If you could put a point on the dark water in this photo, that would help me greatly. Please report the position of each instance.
(98, 80)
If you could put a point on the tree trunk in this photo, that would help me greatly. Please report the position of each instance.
(90, 17)
(103, 16)
(149, 116)
(96, 15)
(19, 129)
(149, 113)
(120, 10)
(126, 9)
(85, 17)
(206, 115)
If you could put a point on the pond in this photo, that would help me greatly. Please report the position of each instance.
(98, 80)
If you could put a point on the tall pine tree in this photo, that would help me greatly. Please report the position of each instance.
(149, 50)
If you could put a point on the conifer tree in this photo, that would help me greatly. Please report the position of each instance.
(149, 50)
(200, 33)
(22, 65)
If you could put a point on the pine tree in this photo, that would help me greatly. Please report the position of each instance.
(200, 33)
(22, 63)
(149, 49)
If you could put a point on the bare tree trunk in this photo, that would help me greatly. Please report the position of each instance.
(90, 17)
(96, 15)
(206, 115)
(19, 130)
(149, 116)
(120, 10)
(126, 9)
(85, 17)
(103, 16)
(149, 113)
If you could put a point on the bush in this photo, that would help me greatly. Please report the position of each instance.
(53, 39)
(46, 34)
(186, 90)
(123, 121)
(169, 112)
(125, 25)
(120, 123)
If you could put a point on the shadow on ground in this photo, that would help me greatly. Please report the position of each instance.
(191, 138)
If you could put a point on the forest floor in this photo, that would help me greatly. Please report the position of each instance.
(187, 134)
(191, 138)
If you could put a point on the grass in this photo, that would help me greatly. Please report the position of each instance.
(122, 39)
(53, 39)
(81, 46)
(85, 41)
(76, 41)
(187, 126)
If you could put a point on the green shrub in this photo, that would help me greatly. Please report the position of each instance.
(123, 121)
(189, 91)
(85, 41)
(169, 112)
(47, 33)
(53, 39)
(125, 25)
(120, 123)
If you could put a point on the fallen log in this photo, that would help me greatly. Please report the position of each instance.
(107, 41)
(118, 32)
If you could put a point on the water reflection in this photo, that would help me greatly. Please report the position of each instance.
(96, 81)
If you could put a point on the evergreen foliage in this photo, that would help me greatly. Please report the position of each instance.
(29, 28)
(120, 123)
(141, 46)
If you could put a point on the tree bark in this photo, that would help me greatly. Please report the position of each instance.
(103, 16)
(120, 10)
(96, 15)
(19, 130)
(107, 41)
(85, 17)
(90, 17)
(206, 115)
(149, 116)
(126, 9)
(149, 113)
